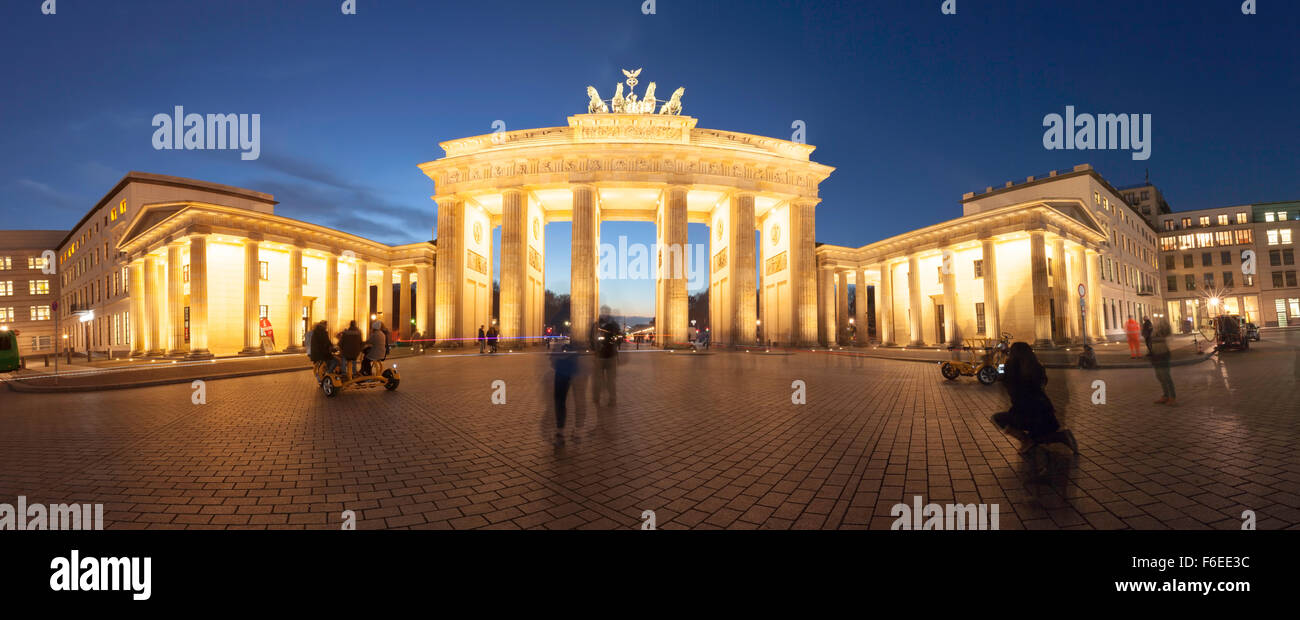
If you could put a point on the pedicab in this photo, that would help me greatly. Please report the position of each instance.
(371, 374)
(986, 367)
(1230, 333)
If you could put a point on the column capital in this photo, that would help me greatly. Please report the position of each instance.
(254, 237)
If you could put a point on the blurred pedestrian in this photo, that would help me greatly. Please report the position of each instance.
(1132, 330)
(482, 340)
(1032, 418)
(1146, 332)
(565, 364)
(604, 344)
(1160, 358)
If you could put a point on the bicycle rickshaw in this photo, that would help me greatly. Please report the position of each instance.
(333, 382)
(986, 367)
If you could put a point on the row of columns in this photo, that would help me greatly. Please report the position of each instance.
(158, 312)
(1046, 289)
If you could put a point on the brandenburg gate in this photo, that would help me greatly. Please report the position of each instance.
(629, 159)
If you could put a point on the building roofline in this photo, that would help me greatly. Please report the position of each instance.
(162, 179)
(1079, 170)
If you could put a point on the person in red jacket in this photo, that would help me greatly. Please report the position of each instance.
(1134, 331)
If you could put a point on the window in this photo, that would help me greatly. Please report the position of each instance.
(304, 275)
(38, 287)
(1227, 279)
(1190, 281)
(263, 269)
(1278, 277)
(979, 318)
(1169, 224)
(40, 313)
(1105, 204)
(1209, 280)
(1288, 257)
(1245, 236)
(7, 315)
(185, 272)
(1207, 259)
(1268, 217)
(1187, 222)
(1096, 197)
(1290, 278)
(40, 343)
(6, 288)
(1241, 218)
(1223, 220)
(1272, 237)
(1187, 261)
(263, 312)
(1169, 262)
(1205, 221)
(36, 262)
(1172, 284)
(6, 263)
(979, 272)
(1286, 236)
(1225, 258)
(1248, 280)
(1281, 216)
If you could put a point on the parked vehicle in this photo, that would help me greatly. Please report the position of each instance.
(1230, 333)
(375, 375)
(986, 368)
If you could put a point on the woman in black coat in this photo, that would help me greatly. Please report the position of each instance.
(1032, 418)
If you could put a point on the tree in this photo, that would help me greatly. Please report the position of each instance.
(698, 309)
(556, 310)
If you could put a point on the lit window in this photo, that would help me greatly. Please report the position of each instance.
(6, 263)
(40, 313)
(38, 287)
(1286, 235)
(7, 315)
(1268, 217)
(1241, 218)
(1223, 220)
(36, 262)
(1096, 197)
(6, 288)
(1272, 237)
(979, 271)
(264, 270)
(1205, 221)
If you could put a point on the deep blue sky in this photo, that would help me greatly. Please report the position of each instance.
(913, 107)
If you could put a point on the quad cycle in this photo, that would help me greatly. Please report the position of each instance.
(985, 367)
(340, 379)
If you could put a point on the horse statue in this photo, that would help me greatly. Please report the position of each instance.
(618, 102)
(648, 102)
(595, 105)
(674, 105)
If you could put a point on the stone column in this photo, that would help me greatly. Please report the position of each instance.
(252, 298)
(199, 297)
(885, 310)
(744, 286)
(860, 302)
(160, 307)
(175, 294)
(332, 293)
(450, 278)
(1096, 323)
(514, 264)
(842, 307)
(384, 299)
(152, 291)
(582, 272)
(137, 292)
(294, 330)
(1039, 289)
(404, 325)
(1061, 292)
(423, 300)
(826, 302)
(949, 281)
(673, 272)
(361, 296)
(803, 273)
(916, 336)
(992, 328)
(1079, 326)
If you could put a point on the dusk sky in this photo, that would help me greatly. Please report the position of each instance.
(912, 107)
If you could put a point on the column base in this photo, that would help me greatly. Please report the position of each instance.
(199, 354)
(295, 349)
(249, 351)
(178, 353)
(155, 353)
(1044, 344)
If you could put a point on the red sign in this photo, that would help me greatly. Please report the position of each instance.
(267, 332)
